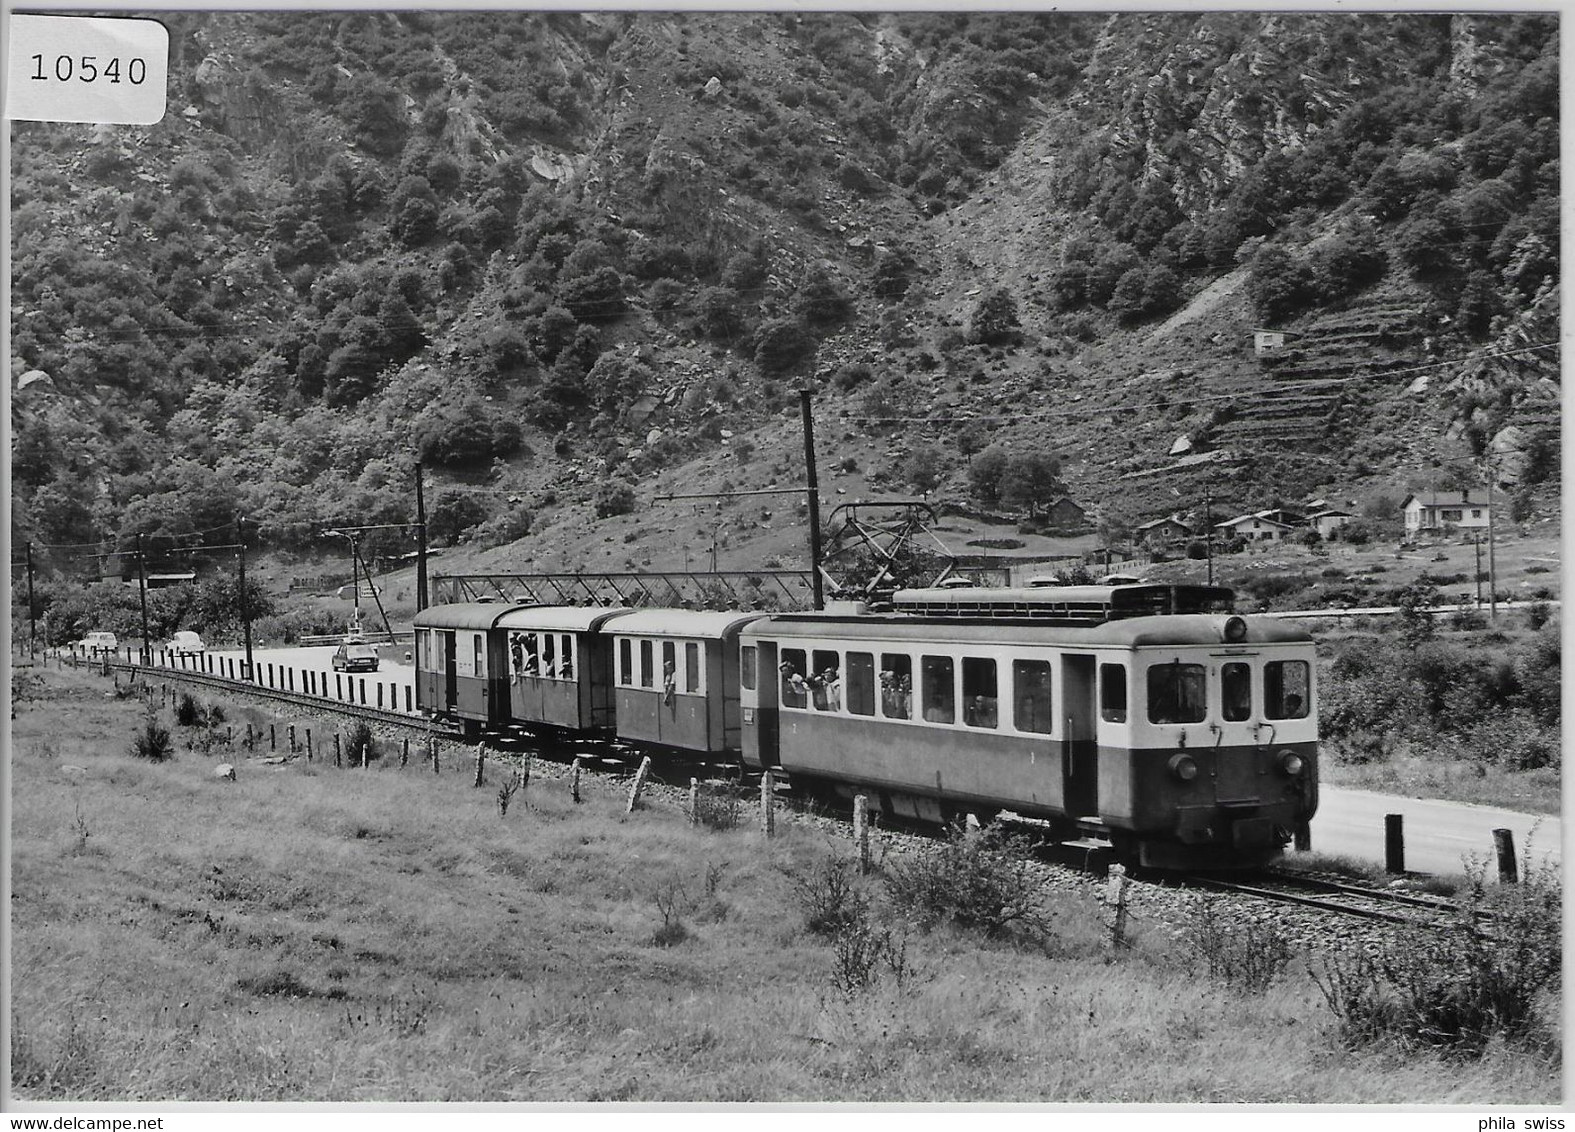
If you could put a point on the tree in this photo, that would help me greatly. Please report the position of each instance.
(782, 344)
(994, 320)
(924, 468)
(1279, 284)
(1030, 480)
(984, 475)
(820, 299)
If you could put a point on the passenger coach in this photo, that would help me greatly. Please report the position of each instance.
(1187, 740)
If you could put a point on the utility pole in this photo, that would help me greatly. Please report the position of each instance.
(421, 543)
(812, 489)
(1476, 542)
(142, 594)
(1208, 530)
(32, 632)
(1492, 558)
(246, 605)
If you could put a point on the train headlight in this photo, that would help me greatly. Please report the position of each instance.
(1184, 767)
(1235, 630)
(1292, 763)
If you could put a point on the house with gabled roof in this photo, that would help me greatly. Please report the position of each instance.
(1429, 512)
(1161, 532)
(1259, 527)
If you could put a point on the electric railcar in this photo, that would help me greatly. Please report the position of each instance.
(1148, 715)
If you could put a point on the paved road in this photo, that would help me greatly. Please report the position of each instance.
(392, 685)
(1438, 835)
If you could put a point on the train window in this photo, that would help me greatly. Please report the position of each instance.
(1285, 689)
(527, 657)
(825, 682)
(692, 667)
(794, 690)
(669, 667)
(746, 667)
(861, 683)
(647, 665)
(566, 655)
(1236, 691)
(1176, 693)
(1033, 709)
(1113, 693)
(896, 685)
(549, 655)
(440, 651)
(939, 689)
(979, 693)
(626, 662)
(475, 641)
(424, 648)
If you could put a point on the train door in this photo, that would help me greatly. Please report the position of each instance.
(758, 696)
(447, 666)
(1080, 742)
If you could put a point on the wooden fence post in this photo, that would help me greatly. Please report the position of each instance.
(273, 738)
(432, 750)
(251, 739)
(574, 780)
(404, 753)
(861, 832)
(481, 763)
(639, 784)
(1394, 843)
(1504, 845)
(292, 738)
(694, 801)
(768, 804)
(1116, 897)
(338, 751)
(523, 774)
(308, 744)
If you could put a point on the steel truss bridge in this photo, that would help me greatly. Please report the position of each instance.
(787, 590)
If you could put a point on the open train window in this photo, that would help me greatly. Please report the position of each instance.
(794, 690)
(1033, 709)
(939, 694)
(746, 667)
(647, 665)
(626, 662)
(1285, 689)
(476, 654)
(896, 685)
(825, 680)
(1236, 691)
(1113, 693)
(566, 657)
(980, 703)
(669, 666)
(1177, 693)
(692, 667)
(860, 683)
(549, 655)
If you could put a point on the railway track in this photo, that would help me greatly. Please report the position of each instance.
(1337, 898)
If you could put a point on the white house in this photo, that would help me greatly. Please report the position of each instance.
(1261, 527)
(1265, 341)
(1161, 532)
(1440, 511)
(1329, 521)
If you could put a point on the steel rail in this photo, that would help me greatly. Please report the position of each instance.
(295, 699)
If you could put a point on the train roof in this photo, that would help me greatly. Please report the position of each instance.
(563, 618)
(465, 614)
(707, 623)
(1067, 604)
(1131, 632)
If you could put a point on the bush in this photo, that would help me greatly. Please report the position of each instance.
(153, 742)
(1459, 989)
(828, 894)
(361, 743)
(1248, 955)
(615, 497)
(188, 713)
(985, 881)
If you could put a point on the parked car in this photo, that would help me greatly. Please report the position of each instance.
(355, 656)
(186, 643)
(95, 643)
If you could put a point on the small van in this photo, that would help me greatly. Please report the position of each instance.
(186, 643)
(98, 642)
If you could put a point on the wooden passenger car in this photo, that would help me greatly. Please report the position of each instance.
(676, 678)
(559, 666)
(461, 664)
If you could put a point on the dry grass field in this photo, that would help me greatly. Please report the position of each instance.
(311, 934)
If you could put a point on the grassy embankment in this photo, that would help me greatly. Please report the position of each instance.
(306, 933)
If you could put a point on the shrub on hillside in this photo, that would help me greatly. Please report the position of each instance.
(781, 344)
(615, 497)
(985, 880)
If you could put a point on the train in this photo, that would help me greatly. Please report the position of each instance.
(1152, 717)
